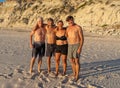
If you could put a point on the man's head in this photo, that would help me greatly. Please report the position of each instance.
(50, 21)
(70, 20)
(40, 21)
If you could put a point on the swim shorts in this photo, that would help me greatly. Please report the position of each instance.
(63, 49)
(72, 51)
(50, 50)
(38, 49)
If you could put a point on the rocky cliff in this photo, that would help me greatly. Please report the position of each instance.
(90, 14)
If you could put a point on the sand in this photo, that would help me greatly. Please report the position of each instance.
(100, 64)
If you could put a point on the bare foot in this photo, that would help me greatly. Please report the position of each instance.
(63, 74)
(76, 78)
(39, 71)
(51, 74)
(49, 71)
(56, 74)
(30, 72)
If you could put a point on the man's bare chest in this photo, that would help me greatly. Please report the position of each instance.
(72, 31)
(39, 32)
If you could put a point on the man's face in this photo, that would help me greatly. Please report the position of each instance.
(70, 22)
(49, 22)
(40, 22)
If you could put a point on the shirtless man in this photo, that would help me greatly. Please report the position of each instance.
(75, 43)
(50, 37)
(38, 46)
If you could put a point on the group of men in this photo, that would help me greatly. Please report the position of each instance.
(45, 33)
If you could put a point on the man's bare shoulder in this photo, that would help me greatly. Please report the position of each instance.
(34, 29)
(78, 27)
(67, 27)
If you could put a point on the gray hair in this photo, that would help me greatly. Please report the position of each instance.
(39, 19)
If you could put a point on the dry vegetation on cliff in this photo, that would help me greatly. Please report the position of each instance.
(92, 15)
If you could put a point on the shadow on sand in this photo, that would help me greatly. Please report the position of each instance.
(97, 68)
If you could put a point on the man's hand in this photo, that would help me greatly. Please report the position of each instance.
(79, 51)
(31, 45)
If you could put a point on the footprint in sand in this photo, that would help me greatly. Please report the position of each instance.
(39, 85)
(19, 84)
(61, 76)
(91, 86)
(34, 75)
(71, 81)
(20, 79)
(18, 71)
(72, 86)
(101, 77)
(2, 76)
(79, 83)
(64, 80)
(28, 75)
(45, 73)
(44, 79)
(62, 86)
(52, 74)
(99, 69)
(7, 85)
(10, 75)
(6, 76)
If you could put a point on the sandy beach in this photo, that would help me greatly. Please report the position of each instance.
(100, 64)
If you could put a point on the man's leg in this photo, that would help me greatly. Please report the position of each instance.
(64, 62)
(49, 55)
(71, 59)
(39, 63)
(32, 64)
(57, 59)
(49, 64)
(73, 66)
(77, 67)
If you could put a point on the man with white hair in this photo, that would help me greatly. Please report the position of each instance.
(38, 46)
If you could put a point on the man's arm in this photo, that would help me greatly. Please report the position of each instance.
(66, 34)
(31, 35)
(81, 39)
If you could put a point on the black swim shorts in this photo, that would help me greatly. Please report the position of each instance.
(63, 49)
(38, 49)
(50, 50)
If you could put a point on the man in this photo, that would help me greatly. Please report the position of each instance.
(75, 43)
(50, 37)
(38, 47)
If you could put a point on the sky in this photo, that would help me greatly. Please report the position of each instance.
(2, 0)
